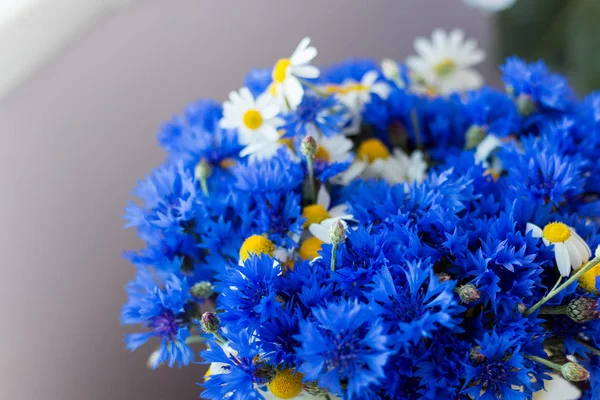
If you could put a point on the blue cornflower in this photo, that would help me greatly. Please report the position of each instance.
(316, 115)
(415, 304)
(249, 293)
(196, 136)
(168, 195)
(350, 69)
(242, 369)
(280, 215)
(542, 175)
(534, 81)
(343, 343)
(162, 311)
(501, 367)
(279, 173)
(492, 111)
(258, 80)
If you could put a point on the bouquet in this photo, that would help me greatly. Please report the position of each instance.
(376, 231)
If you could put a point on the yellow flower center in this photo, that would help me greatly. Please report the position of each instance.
(314, 214)
(444, 67)
(588, 279)
(371, 150)
(287, 266)
(252, 119)
(286, 384)
(310, 248)
(287, 142)
(322, 154)
(493, 173)
(227, 163)
(280, 70)
(556, 232)
(258, 245)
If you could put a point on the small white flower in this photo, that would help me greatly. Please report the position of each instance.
(256, 121)
(443, 64)
(391, 71)
(491, 5)
(373, 160)
(570, 250)
(319, 217)
(286, 86)
(332, 149)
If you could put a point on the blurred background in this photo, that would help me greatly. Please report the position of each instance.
(84, 86)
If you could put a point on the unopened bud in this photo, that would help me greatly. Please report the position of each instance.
(443, 277)
(525, 105)
(574, 372)
(210, 322)
(583, 309)
(202, 170)
(337, 232)
(468, 293)
(475, 135)
(202, 290)
(476, 355)
(522, 308)
(309, 147)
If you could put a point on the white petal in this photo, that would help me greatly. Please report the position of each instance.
(323, 197)
(320, 232)
(582, 247)
(535, 230)
(293, 91)
(269, 132)
(574, 255)
(306, 71)
(562, 259)
(338, 210)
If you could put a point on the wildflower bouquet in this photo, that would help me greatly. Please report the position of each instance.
(368, 231)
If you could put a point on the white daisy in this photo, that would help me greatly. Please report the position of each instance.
(443, 65)
(256, 121)
(373, 160)
(570, 250)
(319, 217)
(332, 149)
(286, 86)
(491, 5)
(287, 384)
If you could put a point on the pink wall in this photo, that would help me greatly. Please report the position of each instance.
(76, 137)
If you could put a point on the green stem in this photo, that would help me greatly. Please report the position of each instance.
(314, 88)
(590, 348)
(558, 310)
(219, 337)
(591, 264)
(414, 118)
(333, 256)
(327, 397)
(543, 361)
(204, 186)
(194, 339)
(311, 180)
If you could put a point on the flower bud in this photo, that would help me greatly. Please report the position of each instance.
(522, 308)
(202, 290)
(525, 105)
(476, 355)
(202, 170)
(337, 232)
(574, 372)
(475, 135)
(468, 293)
(210, 322)
(583, 309)
(309, 147)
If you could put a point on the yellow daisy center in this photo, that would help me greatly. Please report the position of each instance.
(258, 245)
(252, 119)
(588, 279)
(287, 266)
(314, 214)
(371, 150)
(280, 70)
(322, 154)
(556, 232)
(286, 384)
(444, 67)
(310, 248)
(227, 163)
(493, 173)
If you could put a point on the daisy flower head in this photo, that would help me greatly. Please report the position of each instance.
(570, 250)
(287, 74)
(374, 160)
(256, 121)
(319, 217)
(444, 63)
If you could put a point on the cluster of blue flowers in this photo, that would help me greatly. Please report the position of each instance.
(365, 232)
